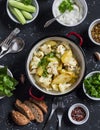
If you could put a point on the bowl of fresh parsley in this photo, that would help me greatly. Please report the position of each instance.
(91, 85)
(7, 82)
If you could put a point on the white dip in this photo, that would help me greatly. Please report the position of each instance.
(69, 17)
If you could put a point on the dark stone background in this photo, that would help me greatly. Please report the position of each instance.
(31, 33)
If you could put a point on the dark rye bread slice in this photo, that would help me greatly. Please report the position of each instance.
(37, 112)
(19, 118)
(24, 109)
(41, 104)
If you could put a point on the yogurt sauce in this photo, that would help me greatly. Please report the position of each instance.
(69, 17)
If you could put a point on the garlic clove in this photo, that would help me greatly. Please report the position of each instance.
(97, 55)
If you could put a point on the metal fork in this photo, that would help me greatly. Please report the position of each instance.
(54, 107)
(7, 42)
(59, 112)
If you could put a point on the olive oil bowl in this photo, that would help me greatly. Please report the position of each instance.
(91, 85)
(22, 13)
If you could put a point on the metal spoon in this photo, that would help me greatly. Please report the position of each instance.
(51, 21)
(17, 44)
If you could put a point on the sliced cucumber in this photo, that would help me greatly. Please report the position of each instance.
(17, 13)
(27, 15)
(19, 5)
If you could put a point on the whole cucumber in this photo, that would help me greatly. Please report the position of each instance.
(19, 5)
(17, 13)
(27, 15)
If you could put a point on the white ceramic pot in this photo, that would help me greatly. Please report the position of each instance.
(77, 52)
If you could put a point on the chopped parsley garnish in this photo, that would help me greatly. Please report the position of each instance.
(51, 55)
(65, 5)
(44, 63)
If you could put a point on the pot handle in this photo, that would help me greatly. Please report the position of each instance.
(35, 97)
(76, 35)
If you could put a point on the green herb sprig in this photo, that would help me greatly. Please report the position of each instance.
(7, 83)
(92, 85)
(65, 5)
(44, 63)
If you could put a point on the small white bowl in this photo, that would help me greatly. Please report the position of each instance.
(89, 75)
(83, 9)
(35, 14)
(9, 73)
(85, 110)
(90, 29)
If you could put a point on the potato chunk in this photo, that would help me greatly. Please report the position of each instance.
(40, 71)
(66, 56)
(62, 78)
(51, 42)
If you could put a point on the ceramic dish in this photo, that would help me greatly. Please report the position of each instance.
(71, 18)
(78, 54)
(34, 15)
(78, 114)
(84, 89)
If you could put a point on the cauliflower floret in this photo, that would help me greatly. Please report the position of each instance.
(45, 80)
(72, 64)
(46, 48)
(34, 62)
(64, 86)
(55, 87)
(33, 71)
(52, 68)
(61, 49)
(72, 61)
(39, 54)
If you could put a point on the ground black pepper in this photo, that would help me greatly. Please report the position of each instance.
(78, 114)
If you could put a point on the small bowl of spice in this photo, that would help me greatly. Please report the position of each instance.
(78, 114)
(94, 31)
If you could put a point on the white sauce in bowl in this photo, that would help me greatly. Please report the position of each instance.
(69, 17)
